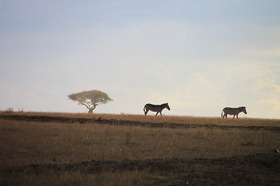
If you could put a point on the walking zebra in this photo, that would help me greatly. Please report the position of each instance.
(233, 111)
(155, 108)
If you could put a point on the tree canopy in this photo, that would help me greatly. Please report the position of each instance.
(90, 99)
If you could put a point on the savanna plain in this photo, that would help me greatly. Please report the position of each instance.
(105, 149)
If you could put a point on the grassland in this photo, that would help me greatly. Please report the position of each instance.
(106, 149)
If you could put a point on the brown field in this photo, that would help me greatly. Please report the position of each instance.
(106, 149)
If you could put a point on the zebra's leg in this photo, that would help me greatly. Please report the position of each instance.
(160, 113)
(236, 116)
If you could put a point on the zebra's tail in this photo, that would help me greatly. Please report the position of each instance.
(222, 113)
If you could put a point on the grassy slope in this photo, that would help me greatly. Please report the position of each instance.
(62, 139)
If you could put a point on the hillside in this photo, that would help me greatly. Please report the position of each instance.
(106, 149)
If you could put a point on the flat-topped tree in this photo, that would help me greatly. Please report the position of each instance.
(90, 99)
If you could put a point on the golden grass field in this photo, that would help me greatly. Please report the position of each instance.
(107, 149)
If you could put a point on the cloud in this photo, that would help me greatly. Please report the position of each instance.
(267, 87)
(198, 95)
(275, 52)
(269, 56)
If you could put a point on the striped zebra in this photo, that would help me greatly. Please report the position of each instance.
(233, 111)
(155, 108)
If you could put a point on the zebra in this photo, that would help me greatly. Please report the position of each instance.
(233, 111)
(155, 108)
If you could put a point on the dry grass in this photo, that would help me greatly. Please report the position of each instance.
(27, 142)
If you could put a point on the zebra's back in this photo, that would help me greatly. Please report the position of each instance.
(231, 111)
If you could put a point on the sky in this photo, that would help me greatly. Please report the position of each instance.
(199, 56)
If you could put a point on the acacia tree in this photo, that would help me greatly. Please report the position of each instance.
(90, 99)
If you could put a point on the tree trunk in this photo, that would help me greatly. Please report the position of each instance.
(90, 111)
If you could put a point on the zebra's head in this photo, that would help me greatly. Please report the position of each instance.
(167, 106)
(243, 109)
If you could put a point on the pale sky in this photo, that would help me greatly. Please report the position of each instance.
(199, 56)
